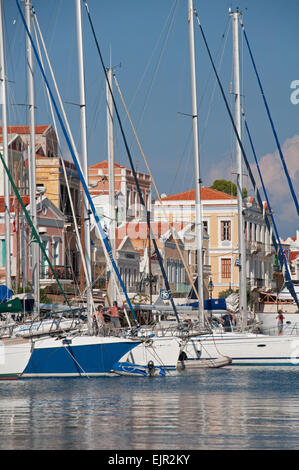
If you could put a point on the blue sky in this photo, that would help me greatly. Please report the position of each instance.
(148, 43)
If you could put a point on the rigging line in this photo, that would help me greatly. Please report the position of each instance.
(148, 63)
(89, 286)
(158, 64)
(192, 282)
(289, 279)
(34, 232)
(214, 88)
(241, 146)
(67, 138)
(271, 121)
(133, 168)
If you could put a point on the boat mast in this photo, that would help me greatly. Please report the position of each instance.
(198, 214)
(84, 157)
(31, 160)
(241, 238)
(5, 154)
(110, 141)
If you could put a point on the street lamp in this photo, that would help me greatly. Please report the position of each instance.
(210, 288)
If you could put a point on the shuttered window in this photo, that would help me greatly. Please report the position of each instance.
(226, 268)
(225, 230)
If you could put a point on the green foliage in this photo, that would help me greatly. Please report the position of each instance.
(44, 299)
(225, 293)
(227, 187)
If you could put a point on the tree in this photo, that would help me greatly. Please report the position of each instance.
(227, 187)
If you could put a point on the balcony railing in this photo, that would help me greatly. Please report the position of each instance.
(181, 288)
(61, 272)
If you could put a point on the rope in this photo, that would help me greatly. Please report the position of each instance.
(34, 232)
(132, 167)
(67, 138)
(243, 151)
(287, 272)
(271, 121)
(192, 282)
(89, 286)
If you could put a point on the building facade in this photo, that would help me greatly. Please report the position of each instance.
(220, 221)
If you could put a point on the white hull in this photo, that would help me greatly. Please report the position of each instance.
(246, 349)
(14, 356)
(163, 352)
(268, 323)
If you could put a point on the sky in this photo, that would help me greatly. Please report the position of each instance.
(146, 43)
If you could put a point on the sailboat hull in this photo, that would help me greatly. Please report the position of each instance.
(152, 357)
(14, 356)
(246, 349)
(76, 357)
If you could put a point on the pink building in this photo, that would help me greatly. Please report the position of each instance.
(51, 232)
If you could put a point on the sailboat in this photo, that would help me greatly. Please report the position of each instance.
(64, 355)
(242, 347)
(155, 355)
(14, 353)
(82, 355)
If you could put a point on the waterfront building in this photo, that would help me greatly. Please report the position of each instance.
(51, 232)
(128, 206)
(220, 220)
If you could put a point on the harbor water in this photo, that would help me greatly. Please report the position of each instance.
(232, 408)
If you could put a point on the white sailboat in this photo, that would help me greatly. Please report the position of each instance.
(155, 355)
(64, 355)
(243, 348)
(14, 353)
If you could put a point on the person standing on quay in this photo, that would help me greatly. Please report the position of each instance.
(280, 319)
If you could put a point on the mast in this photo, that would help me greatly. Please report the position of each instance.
(84, 156)
(241, 238)
(198, 215)
(32, 161)
(5, 154)
(110, 140)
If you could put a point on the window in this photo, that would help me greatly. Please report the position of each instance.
(225, 230)
(226, 268)
(56, 253)
(205, 225)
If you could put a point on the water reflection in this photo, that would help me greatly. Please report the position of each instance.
(210, 409)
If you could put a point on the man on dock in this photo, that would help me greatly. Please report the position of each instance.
(114, 315)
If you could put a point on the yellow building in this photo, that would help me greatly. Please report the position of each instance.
(220, 220)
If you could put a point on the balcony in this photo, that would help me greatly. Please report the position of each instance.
(63, 273)
(181, 288)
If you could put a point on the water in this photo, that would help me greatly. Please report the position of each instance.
(228, 408)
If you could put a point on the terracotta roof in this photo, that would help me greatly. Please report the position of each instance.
(104, 164)
(293, 255)
(25, 129)
(139, 230)
(205, 193)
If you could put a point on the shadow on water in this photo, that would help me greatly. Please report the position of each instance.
(228, 408)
